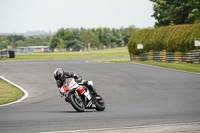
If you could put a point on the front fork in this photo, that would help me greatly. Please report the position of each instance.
(87, 98)
(77, 96)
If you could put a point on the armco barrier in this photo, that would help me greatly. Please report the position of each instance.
(144, 56)
(163, 56)
(156, 56)
(169, 57)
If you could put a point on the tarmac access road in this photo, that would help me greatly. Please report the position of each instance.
(137, 97)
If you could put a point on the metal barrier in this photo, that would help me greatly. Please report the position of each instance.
(185, 57)
(169, 57)
(163, 56)
(156, 56)
(144, 56)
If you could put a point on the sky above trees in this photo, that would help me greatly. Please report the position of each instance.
(25, 15)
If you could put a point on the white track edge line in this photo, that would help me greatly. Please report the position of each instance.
(22, 89)
(154, 66)
(120, 128)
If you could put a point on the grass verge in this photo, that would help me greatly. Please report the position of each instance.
(9, 93)
(114, 52)
(190, 67)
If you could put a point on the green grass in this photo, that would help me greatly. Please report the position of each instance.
(9, 93)
(115, 60)
(190, 67)
(114, 52)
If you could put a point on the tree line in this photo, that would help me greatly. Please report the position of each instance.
(14, 41)
(73, 39)
(176, 12)
(96, 38)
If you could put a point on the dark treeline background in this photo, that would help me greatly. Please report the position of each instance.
(97, 38)
(166, 12)
(73, 38)
(176, 12)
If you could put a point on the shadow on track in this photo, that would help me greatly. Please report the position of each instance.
(69, 111)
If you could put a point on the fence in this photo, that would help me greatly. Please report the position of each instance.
(7, 54)
(164, 56)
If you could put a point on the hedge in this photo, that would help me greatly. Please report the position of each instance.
(179, 38)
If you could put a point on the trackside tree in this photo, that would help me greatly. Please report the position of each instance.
(78, 39)
(176, 12)
(179, 38)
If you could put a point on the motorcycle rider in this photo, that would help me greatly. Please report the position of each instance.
(60, 75)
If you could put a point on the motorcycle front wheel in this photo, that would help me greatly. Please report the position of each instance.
(76, 102)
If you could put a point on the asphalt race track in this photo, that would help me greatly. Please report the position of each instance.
(135, 95)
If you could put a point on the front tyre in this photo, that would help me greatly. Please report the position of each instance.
(76, 102)
(100, 104)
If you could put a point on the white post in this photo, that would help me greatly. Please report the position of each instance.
(88, 46)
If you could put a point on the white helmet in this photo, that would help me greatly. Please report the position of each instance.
(59, 74)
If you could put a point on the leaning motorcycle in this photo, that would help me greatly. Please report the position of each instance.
(81, 97)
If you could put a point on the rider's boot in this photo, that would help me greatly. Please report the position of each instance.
(93, 90)
(89, 84)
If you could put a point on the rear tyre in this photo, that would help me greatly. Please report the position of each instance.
(76, 103)
(100, 104)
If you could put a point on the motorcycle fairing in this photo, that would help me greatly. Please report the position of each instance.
(69, 84)
(81, 89)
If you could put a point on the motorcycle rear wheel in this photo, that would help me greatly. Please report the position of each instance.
(77, 104)
(100, 104)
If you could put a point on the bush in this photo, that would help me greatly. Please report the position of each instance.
(179, 38)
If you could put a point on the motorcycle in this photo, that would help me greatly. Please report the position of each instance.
(81, 97)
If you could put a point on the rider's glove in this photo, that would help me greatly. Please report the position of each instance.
(58, 82)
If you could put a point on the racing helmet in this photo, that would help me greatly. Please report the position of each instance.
(59, 74)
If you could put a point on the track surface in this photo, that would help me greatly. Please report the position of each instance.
(135, 95)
